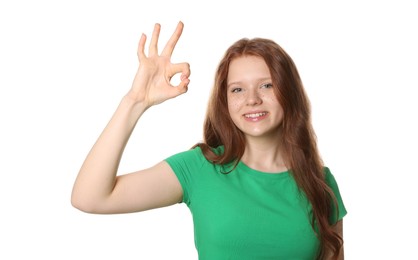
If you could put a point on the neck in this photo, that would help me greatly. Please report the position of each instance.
(264, 155)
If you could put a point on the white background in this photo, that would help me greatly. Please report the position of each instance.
(64, 66)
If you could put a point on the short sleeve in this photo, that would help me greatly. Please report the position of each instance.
(184, 165)
(332, 183)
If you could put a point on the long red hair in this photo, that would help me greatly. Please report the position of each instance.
(298, 136)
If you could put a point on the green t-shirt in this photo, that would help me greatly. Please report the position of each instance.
(246, 214)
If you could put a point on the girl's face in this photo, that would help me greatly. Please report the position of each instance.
(252, 104)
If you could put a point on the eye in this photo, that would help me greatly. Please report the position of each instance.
(267, 85)
(236, 90)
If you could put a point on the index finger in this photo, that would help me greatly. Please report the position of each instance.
(169, 47)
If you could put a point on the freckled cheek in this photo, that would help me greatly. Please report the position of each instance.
(269, 98)
(234, 104)
(272, 100)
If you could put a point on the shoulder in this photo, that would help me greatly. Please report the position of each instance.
(329, 177)
(194, 155)
(332, 183)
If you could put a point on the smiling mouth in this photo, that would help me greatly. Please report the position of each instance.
(255, 115)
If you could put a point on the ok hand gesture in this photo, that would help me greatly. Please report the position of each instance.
(152, 84)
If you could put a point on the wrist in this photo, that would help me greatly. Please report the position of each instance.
(133, 107)
(131, 101)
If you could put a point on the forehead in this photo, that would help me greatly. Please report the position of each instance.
(247, 67)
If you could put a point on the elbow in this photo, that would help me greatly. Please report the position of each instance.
(83, 204)
(78, 204)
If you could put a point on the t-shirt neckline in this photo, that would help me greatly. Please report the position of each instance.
(242, 166)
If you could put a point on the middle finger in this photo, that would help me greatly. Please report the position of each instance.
(153, 47)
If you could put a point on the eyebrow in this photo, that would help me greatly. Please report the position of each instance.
(239, 82)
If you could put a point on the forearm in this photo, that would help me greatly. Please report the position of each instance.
(96, 188)
(96, 178)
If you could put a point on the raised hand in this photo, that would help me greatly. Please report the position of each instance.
(152, 84)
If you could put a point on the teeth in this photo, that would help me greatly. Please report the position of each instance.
(255, 115)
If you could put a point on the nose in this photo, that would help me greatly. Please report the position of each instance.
(254, 98)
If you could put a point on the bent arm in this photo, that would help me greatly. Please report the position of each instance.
(97, 177)
(97, 188)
